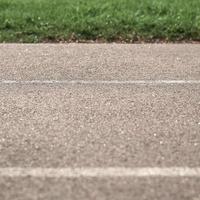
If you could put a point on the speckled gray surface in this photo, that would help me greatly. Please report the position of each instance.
(99, 125)
(100, 189)
(79, 125)
(99, 61)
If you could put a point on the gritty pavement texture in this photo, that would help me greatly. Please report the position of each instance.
(99, 125)
(100, 189)
(99, 61)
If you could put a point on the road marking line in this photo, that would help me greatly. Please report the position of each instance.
(91, 82)
(100, 172)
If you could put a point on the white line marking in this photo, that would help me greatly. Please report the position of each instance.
(91, 82)
(100, 172)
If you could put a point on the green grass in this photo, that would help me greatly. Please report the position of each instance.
(100, 20)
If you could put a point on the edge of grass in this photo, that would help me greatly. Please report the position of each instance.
(100, 21)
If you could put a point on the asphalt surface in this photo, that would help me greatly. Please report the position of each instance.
(109, 125)
(99, 125)
(99, 61)
(100, 189)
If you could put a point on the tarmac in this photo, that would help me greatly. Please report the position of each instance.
(99, 121)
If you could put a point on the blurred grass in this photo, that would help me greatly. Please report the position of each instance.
(101, 20)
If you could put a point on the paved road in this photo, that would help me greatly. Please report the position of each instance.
(94, 124)
(99, 61)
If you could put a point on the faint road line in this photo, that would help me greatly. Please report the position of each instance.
(100, 172)
(107, 82)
